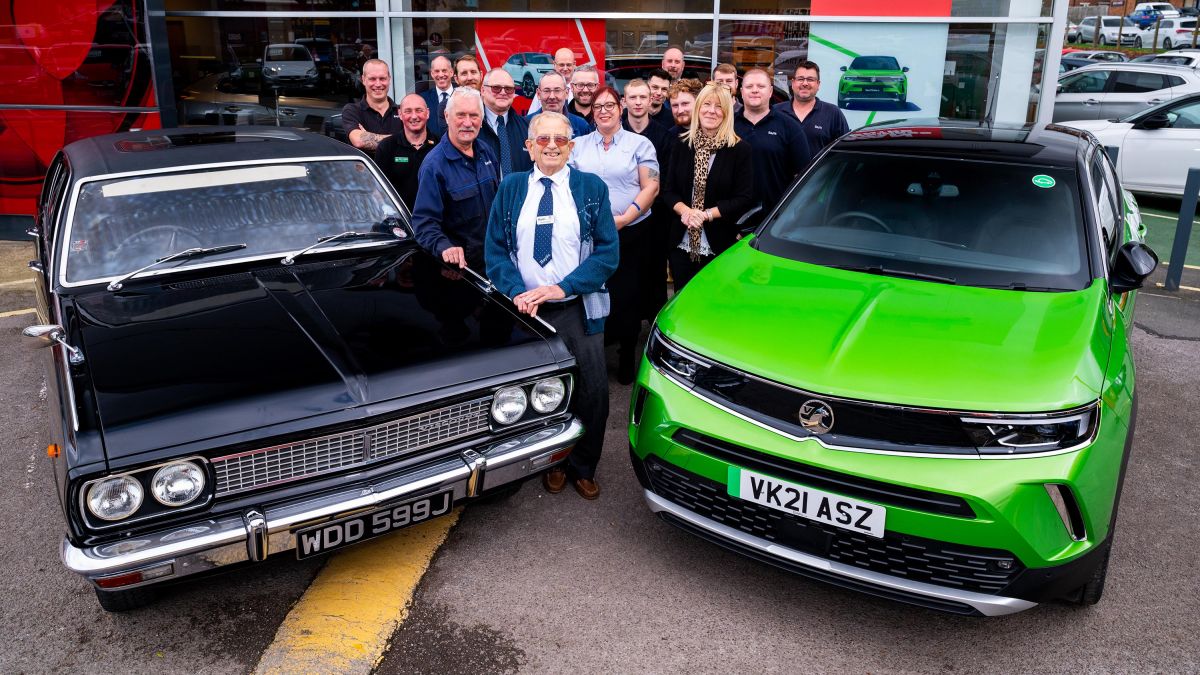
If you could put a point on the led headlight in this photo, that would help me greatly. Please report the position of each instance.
(1019, 434)
(548, 394)
(508, 405)
(671, 359)
(177, 484)
(114, 498)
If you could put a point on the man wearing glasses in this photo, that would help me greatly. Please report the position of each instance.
(552, 93)
(503, 130)
(564, 64)
(551, 245)
(584, 83)
(822, 122)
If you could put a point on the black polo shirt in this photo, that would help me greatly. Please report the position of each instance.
(570, 107)
(664, 116)
(780, 153)
(825, 123)
(400, 162)
(359, 112)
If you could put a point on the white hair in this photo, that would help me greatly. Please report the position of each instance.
(459, 94)
(536, 123)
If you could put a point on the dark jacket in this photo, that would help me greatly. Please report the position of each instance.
(436, 124)
(579, 126)
(516, 128)
(781, 152)
(730, 188)
(825, 124)
(454, 194)
(599, 251)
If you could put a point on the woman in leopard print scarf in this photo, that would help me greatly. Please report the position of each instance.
(710, 184)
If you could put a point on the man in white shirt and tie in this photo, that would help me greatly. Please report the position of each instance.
(441, 70)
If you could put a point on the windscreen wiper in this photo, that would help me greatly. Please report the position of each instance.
(1022, 286)
(181, 255)
(340, 236)
(889, 272)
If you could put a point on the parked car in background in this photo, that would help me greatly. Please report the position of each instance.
(223, 310)
(1145, 18)
(1102, 55)
(1188, 58)
(1165, 9)
(527, 68)
(1171, 33)
(1113, 90)
(289, 67)
(1071, 62)
(1110, 29)
(1072, 32)
(950, 428)
(1155, 147)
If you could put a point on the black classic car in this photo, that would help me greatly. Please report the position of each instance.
(250, 355)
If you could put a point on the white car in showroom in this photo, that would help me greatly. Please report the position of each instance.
(1155, 147)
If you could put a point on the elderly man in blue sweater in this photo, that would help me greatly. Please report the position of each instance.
(551, 245)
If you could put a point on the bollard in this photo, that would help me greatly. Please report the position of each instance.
(1183, 229)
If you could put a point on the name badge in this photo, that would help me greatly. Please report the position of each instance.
(545, 220)
(402, 160)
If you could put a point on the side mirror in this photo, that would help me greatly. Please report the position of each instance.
(52, 333)
(750, 220)
(904, 69)
(1132, 264)
(1155, 121)
(843, 69)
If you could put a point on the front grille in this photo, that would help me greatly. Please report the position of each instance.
(316, 456)
(925, 560)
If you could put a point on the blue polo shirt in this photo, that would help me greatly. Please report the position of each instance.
(780, 153)
(822, 126)
(454, 196)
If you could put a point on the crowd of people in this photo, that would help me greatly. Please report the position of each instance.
(581, 210)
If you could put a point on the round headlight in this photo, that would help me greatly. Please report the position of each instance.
(177, 484)
(508, 405)
(114, 498)
(548, 394)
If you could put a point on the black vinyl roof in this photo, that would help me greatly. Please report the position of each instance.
(150, 150)
(1044, 145)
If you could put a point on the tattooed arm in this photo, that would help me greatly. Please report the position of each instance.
(365, 140)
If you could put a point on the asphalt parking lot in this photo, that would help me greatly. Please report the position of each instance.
(552, 583)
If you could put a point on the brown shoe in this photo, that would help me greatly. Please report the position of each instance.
(587, 488)
(554, 481)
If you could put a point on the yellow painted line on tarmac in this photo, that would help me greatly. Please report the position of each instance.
(343, 622)
(17, 312)
(1182, 288)
(19, 282)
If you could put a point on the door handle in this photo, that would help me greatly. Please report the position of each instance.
(1155, 101)
(1091, 101)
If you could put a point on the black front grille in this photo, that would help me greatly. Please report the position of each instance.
(879, 492)
(925, 560)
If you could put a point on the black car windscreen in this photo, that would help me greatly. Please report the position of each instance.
(122, 224)
(977, 223)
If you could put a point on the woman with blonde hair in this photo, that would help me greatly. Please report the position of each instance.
(710, 185)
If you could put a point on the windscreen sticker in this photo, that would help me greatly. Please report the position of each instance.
(1043, 181)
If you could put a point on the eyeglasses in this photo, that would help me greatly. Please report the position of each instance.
(802, 80)
(605, 107)
(498, 89)
(585, 85)
(559, 141)
(557, 91)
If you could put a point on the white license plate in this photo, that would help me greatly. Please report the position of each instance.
(806, 502)
(338, 534)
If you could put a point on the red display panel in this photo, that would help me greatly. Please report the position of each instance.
(881, 8)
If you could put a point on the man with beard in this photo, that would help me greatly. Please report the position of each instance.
(564, 64)
(584, 83)
(660, 109)
(653, 277)
(552, 92)
(503, 130)
(672, 62)
(441, 71)
(822, 122)
(466, 72)
(780, 146)
(372, 118)
(727, 75)
(456, 186)
(683, 97)
(400, 155)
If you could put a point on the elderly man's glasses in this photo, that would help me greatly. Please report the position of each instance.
(803, 80)
(605, 107)
(585, 85)
(559, 141)
(499, 89)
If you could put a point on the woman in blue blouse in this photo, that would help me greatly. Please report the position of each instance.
(627, 163)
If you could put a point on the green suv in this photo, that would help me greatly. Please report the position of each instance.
(915, 379)
(873, 78)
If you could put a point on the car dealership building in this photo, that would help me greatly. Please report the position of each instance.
(73, 69)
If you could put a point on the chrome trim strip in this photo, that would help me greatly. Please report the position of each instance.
(207, 544)
(988, 605)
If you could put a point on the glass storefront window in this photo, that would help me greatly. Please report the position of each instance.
(630, 6)
(293, 72)
(270, 5)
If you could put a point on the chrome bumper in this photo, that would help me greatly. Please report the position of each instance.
(255, 534)
(988, 605)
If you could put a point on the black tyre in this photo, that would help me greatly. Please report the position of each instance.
(1091, 592)
(1137, 42)
(1103, 41)
(528, 87)
(123, 601)
(1166, 43)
